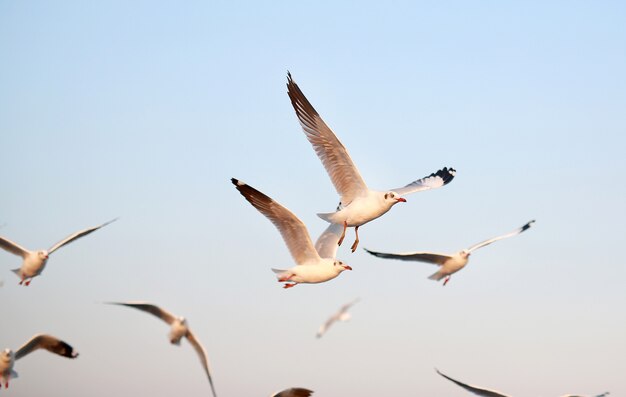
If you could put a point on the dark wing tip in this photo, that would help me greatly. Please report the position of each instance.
(447, 174)
(528, 225)
(371, 252)
(65, 350)
(237, 182)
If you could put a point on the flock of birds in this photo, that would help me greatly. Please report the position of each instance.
(317, 263)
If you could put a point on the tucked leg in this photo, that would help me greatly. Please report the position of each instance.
(289, 285)
(343, 234)
(446, 280)
(356, 242)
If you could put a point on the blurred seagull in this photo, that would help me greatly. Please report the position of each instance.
(314, 264)
(450, 264)
(341, 315)
(179, 328)
(35, 261)
(40, 341)
(293, 392)
(492, 393)
(358, 204)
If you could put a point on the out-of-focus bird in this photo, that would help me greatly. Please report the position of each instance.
(358, 204)
(449, 264)
(293, 392)
(341, 315)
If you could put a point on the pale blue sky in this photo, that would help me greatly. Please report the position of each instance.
(145, 110)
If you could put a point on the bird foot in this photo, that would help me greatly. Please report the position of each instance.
(354, 245)
(289, 285)
(343, 234)
(27, 283)
(446, 281)
(285, 278)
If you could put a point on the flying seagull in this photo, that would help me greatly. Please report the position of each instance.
(293, 392)
(358, 204)
(313, 265)
(35, 261)
(449, 264)
(492, 393)
(341, 315)
(179, 328)
(40, 341)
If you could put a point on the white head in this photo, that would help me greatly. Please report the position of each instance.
(465, 254)
(6, 355)
(340, 266)
(392, 198)
(43, 255)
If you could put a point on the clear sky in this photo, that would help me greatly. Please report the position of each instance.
(145, 110)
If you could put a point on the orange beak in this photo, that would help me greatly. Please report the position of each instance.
(347, 267)
(401, 199)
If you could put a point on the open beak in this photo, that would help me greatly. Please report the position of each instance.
(347, 267)
(401, 199)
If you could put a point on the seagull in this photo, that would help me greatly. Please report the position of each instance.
(40, 341)
(293, 392)
(358, 204)
(341, 315)
(179, 328)
(450, 264)
(314, 264)
(35, 261)
(492, 393)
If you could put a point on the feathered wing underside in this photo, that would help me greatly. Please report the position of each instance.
(50, 343)
(428, 257)
(149, 308)
(294, 392)
(578, 395)
(293, 231)
(326, 244)
(12, 247)
(432, 181)
(492, 240)
(334, 156)
(76, 236)
(204, 358)
(474, 389)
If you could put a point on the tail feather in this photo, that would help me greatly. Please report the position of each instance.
(17, 271)
(327, 216)
(437, 276)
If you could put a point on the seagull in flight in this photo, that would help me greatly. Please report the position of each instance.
(34, 262)
(40, 341)
(315, 264)
(293, 392)
(449, 264)
(492, 393)
(358, 204)
(179, 329)
(341, 315)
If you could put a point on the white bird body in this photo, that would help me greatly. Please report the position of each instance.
(7, 361)
(32, 265)
(453, 264)
(178, 329)
(361, 210)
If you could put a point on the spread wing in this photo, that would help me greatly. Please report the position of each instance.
(334, 156)
(12, 247)
(429, 257)
(292, 229)
(511, 234)
(343, 312)
(432, 181)
(474, 389)
(50, 343)
(294, 392)
(576, 395)
(204, 359)
(76, 236)
(149, 308)
(326, 245)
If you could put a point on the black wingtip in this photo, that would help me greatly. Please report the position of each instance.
(528, 225)
(236, 182)
(447, 174)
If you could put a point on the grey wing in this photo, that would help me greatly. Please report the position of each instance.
(149, 308)
(324, 327)
(326, 245)
(204, 359)
(474, 389)
(429, 257)
(76, 236)
(577, 395)
(347, 306)
(432, 181)
(50, 343)
(12, 247)
(294, 392)
(293, 231)
(492, 240)
(334, 156)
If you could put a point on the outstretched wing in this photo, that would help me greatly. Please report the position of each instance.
(474, 389)
(432, 181)
(204, 359)
(12, 247)
(50, 343)
(335, 317)
(149, 308)
(292, 229)
(334, 156)
(294, 392)
(429, 257)
(76, 236)
(326, 245)
(511, 234)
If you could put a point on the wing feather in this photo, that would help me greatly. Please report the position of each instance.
(474, 389)
(326, 244)
(12, 247)
(50, 343)
(492, 240)
(428, 257)
(204, 358)
(149, 308)
(432, 181)
(294, 392)
(76, 236)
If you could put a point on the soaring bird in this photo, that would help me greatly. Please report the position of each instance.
(492, 393)
(358, 204)
(40, 341)
(314, 264)
(341, 315)
(35, 261)
(449, 264)
(178, 329)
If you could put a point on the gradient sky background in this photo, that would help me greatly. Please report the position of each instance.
(145, 110)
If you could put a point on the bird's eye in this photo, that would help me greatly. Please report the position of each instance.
(386, 194)
(392, 195)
